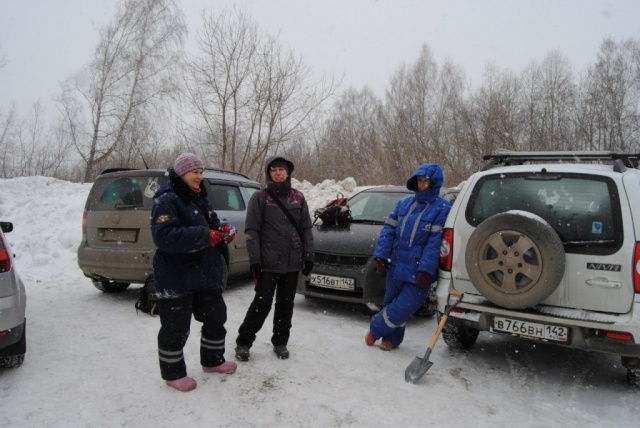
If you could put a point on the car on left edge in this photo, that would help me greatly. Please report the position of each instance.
(13, 304)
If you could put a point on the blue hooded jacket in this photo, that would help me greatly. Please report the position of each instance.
(411, 236)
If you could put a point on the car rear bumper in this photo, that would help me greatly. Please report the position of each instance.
(12, 312)
(587, 330)
(11, 336)
(133, 266)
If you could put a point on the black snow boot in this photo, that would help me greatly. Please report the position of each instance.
(242, 353)
(281, 351)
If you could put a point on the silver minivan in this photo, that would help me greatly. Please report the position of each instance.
(117, 250)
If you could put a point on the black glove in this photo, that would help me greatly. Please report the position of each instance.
(423, 280)
(381, 267)
(308, 265)
(256, 271)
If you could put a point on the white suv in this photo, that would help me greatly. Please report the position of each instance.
(546, 246)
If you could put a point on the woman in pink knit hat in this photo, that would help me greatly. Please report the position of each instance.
(187, 269)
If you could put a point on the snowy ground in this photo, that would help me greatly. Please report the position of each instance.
(91, 360)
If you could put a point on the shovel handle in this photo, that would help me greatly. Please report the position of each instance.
(455, 293)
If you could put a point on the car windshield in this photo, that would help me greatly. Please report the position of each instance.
(372, 206)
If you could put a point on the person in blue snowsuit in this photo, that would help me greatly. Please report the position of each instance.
(407, 252)
(188, 272)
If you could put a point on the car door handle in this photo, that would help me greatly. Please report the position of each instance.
(604, 283)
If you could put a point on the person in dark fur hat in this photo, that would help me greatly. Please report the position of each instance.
(279, 247)
(188, 272)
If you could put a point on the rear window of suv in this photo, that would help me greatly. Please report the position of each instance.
(116, 193)
(584, 210)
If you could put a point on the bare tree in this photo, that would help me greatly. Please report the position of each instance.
(3, 61)
(29, 147)
(133, 70)
(610, 98)
(494, 121)
(7, 129)
(448, 131)
(350, 144)
(423, 117)
(408, 117)
(249, 99)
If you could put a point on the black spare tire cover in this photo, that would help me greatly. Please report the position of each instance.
(515, 260)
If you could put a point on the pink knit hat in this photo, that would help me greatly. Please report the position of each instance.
(187, 162)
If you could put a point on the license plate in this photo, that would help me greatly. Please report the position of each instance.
(124, 235)
(530, 329)
(336, 282)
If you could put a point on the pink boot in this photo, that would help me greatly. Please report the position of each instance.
(227, 367)
(183, 384)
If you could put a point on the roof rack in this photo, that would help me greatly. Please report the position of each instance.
(226, 171)
(206, 168)
(621, 161)
(109, 170)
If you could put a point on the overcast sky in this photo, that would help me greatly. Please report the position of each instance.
(365, 41)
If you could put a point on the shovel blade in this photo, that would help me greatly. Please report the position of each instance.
(416, 369)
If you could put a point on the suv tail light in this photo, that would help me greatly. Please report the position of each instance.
(446, 250)
(5, 258)
(636, 268)
(84, 223)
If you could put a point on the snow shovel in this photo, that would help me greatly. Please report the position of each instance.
(419, 366)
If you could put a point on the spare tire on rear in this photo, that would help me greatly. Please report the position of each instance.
(515, 260)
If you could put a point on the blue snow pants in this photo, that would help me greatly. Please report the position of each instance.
(401, 301)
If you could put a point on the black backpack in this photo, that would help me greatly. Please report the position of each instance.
(336, 211)
(148, 301)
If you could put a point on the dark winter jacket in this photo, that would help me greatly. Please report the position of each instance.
(411, 235)
(180, 223)
(271, 238)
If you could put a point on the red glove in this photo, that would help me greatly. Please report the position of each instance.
(229, 232)
(381, 267)
(215, 237)
(423, 280)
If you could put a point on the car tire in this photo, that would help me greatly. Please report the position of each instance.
(11, 362)
(458, 336)
(633, 377)
(514, 260)
(110, 286)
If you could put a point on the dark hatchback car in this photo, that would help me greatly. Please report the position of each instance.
(344, 268)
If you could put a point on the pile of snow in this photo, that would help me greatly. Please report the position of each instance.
(318, 195)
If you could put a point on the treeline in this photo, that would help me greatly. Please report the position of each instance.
(240, 98)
